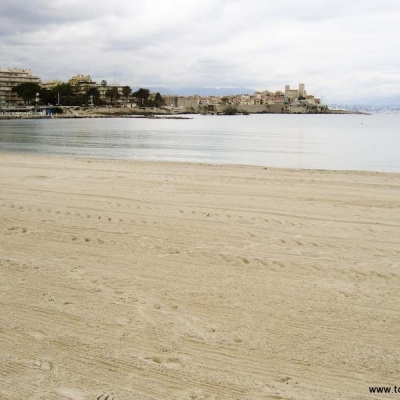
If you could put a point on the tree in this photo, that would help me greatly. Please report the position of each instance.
(126, 90)
(65, 93)
(158, 100)
(109, 95)
(93, 92)
(27, 91)
(48, 96)
(112, 94)
(65, 89)
(103, 84)
(142, 95)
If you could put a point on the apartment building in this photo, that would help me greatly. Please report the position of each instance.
(49, 85)
(10, 78)
(81, 83)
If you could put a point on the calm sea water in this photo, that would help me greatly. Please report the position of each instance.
(356, 142)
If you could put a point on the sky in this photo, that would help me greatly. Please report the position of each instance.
(343, 51)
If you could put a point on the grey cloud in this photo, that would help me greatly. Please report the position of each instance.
(22, 16)
(335, 47)
(29, 16)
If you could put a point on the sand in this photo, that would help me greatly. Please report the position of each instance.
(142, 280)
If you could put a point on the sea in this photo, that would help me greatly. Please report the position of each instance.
(331, 142)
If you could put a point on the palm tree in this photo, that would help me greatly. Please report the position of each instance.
(112, 94)
(94, 93)
(158, 100)
(103, 84)
(126, 90)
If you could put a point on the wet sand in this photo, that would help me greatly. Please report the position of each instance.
(144, 280)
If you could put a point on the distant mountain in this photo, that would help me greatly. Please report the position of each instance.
(374, 109)
(376, 101)
(201, 91)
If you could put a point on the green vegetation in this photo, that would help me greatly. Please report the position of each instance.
(27, 91)
(66, 94)
(93, 94)
(112, 94)
(232, 110)
(63, 94)
(224, 100)
(126, 90)
(57, 110)
(145, 99)
(64, 89)
(47, 96)
(142, 96)
(158, 100)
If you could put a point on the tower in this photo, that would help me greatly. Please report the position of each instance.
(302, 92)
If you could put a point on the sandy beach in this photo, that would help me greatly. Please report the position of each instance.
(143, 280)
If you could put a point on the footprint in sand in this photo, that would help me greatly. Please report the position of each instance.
(106, 396)
(278, 263)
(44, 365)
(169, 362)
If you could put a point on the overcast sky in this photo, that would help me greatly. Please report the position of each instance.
(341, 49)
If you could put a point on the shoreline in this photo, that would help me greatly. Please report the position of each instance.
(153, 279)
(49, 117)
(87, 159)
(84, 112)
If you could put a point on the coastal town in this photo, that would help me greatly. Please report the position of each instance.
(22, 93)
